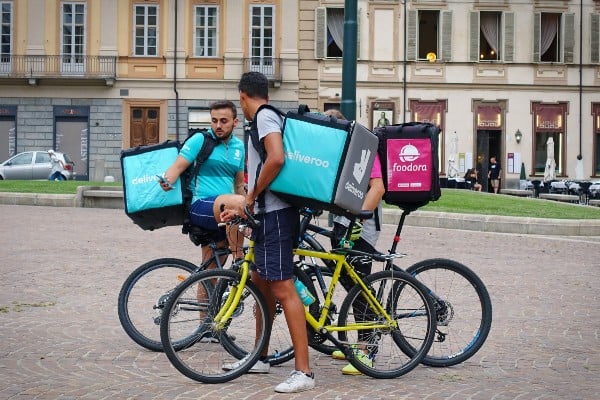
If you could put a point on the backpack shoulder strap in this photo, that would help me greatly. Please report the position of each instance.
(209, 143)
(253, 131)
(258, 144)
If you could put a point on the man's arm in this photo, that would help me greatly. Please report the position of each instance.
(175, 170)
(275, 158)
(374, 194)
(239, 186)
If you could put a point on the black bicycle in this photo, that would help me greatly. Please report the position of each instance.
(147, 289)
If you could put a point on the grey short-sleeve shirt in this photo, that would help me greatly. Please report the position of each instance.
(267, 122)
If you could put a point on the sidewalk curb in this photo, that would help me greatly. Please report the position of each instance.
(429, 219)
(495, 223)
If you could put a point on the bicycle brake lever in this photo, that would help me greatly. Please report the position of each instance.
(253, 222)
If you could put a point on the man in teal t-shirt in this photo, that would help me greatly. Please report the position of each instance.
(218, 177)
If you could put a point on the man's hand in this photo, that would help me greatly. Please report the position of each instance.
(164, 183)
(228, 214)
(250, 201)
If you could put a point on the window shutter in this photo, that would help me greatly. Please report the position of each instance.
(446, 36)
(537, 22)
(569, 38)
(320, 32)
(595, 39)
(509, 37)
(474, 36)
(411, 35)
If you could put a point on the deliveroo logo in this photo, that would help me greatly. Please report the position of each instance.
(360, 168)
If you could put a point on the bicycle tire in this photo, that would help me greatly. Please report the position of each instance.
(143, 295)
(463, 311)
(189, 316)
(412, 310)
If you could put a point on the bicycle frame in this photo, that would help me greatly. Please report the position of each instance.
(342, 264)
(232, 302)
(235, 294)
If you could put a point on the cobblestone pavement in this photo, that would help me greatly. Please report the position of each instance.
(60, 337)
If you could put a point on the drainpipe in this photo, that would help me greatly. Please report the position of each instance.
(579, 156)
(175, 75)
(404, 107)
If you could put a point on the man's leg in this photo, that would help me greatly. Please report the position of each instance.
(265, 290)
(293, 309)
(234, 237)
(207, 254)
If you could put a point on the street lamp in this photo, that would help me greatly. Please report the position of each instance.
(518, 136)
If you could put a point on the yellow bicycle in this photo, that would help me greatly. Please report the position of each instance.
(387, 314)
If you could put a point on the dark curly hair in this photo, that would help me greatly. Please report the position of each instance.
(254, 84)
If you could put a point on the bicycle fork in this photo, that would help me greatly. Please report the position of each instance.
(232, 300)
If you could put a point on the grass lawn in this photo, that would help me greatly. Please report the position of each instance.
(470, 202)
(45, 186)
(452, 200)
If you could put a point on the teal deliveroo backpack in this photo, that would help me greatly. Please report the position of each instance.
(327, 161)
(146, 203)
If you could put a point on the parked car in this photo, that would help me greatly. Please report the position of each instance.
(34, 165)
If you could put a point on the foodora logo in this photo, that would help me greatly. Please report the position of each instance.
(409, 162)
(408, 155)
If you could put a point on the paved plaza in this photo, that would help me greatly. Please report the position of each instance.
(60, 336)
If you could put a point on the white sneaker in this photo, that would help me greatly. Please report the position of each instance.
(261, 367)
(298, 381)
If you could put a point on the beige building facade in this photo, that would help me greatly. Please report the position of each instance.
(93, 77)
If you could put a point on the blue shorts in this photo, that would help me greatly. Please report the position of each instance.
(202, 215)
(274, 243)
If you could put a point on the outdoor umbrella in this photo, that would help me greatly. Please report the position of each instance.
(550, 171)
(452, 168)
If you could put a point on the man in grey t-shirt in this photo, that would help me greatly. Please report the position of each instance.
(275, 239)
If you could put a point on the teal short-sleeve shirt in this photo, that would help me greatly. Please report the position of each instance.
(217, 175)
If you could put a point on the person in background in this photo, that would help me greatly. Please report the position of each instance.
(366, 242)
(472, 176)
(220, 179)
(494, 173)
(57, 167)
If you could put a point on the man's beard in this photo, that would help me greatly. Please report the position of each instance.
(225, 137)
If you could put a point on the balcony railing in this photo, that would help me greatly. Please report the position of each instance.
(53, 66)
(268, 66)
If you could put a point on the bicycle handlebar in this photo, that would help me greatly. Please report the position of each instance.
(249, 221)
(253, 222)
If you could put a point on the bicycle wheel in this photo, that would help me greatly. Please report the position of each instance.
(189, 317)
(406, 301)
(143, 295)
(462, 306)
